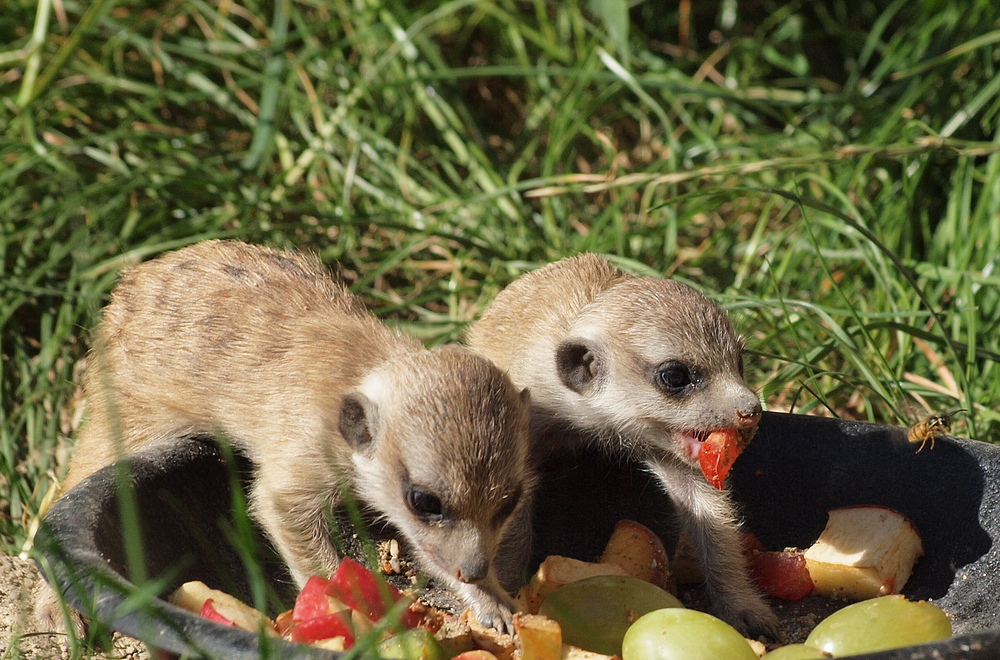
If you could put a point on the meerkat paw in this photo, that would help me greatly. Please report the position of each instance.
(751, 615)
(492, 610)
(53, 615)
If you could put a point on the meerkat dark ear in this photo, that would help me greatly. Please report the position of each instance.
(526, 395)
(355, 420)
(578, 364)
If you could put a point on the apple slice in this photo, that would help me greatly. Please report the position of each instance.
(640, 552)
(326, 626)
(864, 552)
(192, 596)
(717, 454)
(362, 590)
(313, 601)
(782, 574)
(540, 637)
(209, 612)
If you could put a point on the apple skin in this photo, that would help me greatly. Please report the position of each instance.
(209, 612)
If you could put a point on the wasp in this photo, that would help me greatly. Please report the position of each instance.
(929, 429)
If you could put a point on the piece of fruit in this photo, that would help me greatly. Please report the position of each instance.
(454, 636)
(360, 589)
(313, 601)
(326, 626)
(594, 613)
(796, 652)
(864, 552)
(557, 571)
(474, 654)
(540, 637)
(576, 653)
(640, 552)
(209, 612)
(191, 596)
(283, 623)
(364, 592)
(679, 634)
(415, 644)
(717, 454)
(781, 574)
(879, 624)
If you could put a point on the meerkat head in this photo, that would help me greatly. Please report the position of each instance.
(654, 359)
(441, 449)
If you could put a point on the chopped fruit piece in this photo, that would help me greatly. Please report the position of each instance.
(640, 552)
(781, 574)
(313, 601)
(474, 654)
(540, 637)
(362, 590)
(192, 596)
(864, 552)
(209, 612)
(324, 627)
(718, 453)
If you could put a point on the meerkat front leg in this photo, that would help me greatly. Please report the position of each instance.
(294, 518)
(708, 516)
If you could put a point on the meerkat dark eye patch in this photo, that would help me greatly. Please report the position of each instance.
(424, 504)
(673, 377)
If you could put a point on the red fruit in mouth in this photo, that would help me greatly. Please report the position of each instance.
(718, 453)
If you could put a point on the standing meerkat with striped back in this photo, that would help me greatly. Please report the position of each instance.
(643, 365)
(264, 348)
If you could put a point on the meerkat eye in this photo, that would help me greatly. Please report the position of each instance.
(673, 376)
(424, 504)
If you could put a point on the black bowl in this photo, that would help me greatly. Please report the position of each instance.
(795, 470)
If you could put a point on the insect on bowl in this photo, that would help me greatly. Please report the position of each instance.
(794, 471)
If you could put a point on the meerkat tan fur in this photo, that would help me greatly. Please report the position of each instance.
(642, 365)
(263, 348)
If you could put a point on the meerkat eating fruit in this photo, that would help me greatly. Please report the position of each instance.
(264, 348)
(637, 364)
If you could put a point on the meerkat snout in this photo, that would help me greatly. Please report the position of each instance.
(472, 571)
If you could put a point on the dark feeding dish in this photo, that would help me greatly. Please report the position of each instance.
(796, 469)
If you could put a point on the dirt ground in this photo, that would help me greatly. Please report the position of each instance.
(19, 634)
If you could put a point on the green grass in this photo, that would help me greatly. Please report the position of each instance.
(828, 170)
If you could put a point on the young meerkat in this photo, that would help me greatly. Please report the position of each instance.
(264, 348)
(637, 364)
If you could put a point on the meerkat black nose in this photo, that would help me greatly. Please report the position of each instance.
(473, 570)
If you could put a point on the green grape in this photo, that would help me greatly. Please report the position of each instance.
(678, 634)
(595, 612)
(795, 652)
(415, 644)
(878, 624)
